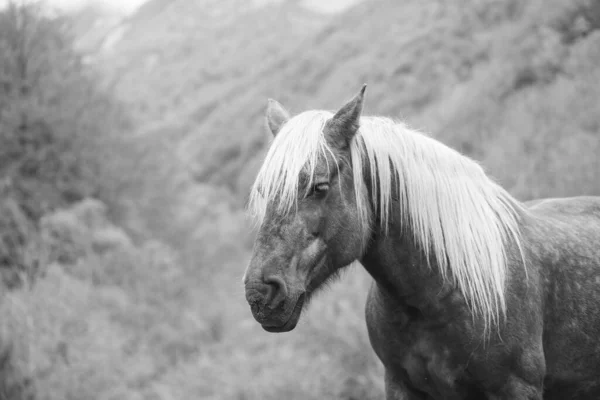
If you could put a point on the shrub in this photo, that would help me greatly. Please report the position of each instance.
(52, 118)
(14, 385)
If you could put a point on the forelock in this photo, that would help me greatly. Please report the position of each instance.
(292, 158)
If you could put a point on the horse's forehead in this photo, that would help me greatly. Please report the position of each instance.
(324, 162)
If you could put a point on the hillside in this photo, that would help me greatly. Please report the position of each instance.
(193, 52)
(445, 68)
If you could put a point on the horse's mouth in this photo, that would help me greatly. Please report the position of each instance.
(292, 321)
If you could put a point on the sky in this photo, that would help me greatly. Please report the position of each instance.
(125, 6)
(128, 6)
(330, 5)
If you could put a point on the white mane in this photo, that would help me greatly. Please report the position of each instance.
(460, 217)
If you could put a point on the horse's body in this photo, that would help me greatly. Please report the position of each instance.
(475, 295)
(431, 349)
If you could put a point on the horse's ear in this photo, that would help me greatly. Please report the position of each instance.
(277, 116)
(346, 121)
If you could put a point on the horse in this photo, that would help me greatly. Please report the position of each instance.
(475, 295)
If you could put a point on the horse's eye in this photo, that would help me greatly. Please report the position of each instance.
(321, 188)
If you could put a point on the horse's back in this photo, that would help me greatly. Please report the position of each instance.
(568, 222)
(564, 238)
(582, 205)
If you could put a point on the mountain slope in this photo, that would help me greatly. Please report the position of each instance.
(199, 75)
(193, 51)
(463, 73)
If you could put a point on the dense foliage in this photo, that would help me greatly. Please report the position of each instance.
(51, 113)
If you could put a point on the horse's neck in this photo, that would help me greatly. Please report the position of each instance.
(400, 269)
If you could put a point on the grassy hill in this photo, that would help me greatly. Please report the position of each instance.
(162, 315)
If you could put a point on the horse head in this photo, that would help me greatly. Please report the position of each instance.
(310, 226)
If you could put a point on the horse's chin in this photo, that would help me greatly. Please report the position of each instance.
(292, 321)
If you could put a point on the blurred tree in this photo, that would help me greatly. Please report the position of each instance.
(52, 114)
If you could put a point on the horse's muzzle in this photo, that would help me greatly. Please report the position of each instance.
(272, 308)
(291, 321)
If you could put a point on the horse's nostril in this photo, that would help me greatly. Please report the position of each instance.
(277, 291)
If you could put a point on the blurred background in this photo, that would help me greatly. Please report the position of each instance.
(130, 133)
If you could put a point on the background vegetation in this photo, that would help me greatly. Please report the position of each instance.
(127, 146)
